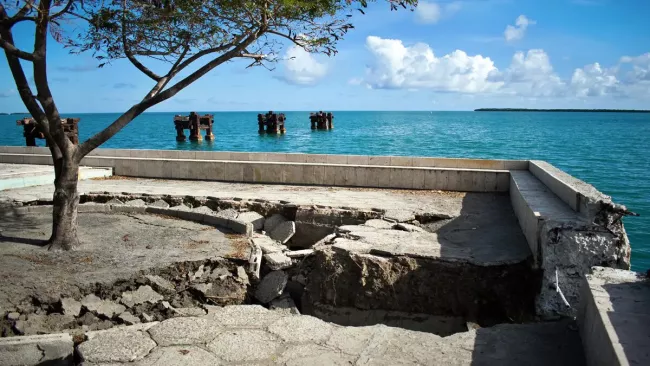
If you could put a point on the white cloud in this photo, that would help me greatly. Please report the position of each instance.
(429, 12)
(416, 67)
(594, 81)
(517, 32)
(530, 74)
(301, 67)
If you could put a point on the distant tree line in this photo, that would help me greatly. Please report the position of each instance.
(561, 110)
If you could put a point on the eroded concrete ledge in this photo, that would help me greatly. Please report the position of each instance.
(614, 317)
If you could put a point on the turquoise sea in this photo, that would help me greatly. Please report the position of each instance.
(609, 150)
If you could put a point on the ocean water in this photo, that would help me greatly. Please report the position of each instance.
(609, 150)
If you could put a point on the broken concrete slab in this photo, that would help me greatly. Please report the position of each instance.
(283, 231)
(252, 217)
(244, 345)
(399, 215)
(299, 253)
(189, 311)
(125, 344)
(227, 214)
(180, 355)
(70, 306)
(42, 323)
(379, 224)
(242, 316)
(408, 227)
(114, 201)
(105, 308)
(160, 204)
(203, 210)
(128, 318)
(277, 261)
(13, 316)
(268, 245)
(50, 349)
(137, 203)
(271, 286)
(160, 284)
(185, 331)
(273, 221)
(140, 296)
(301, 329)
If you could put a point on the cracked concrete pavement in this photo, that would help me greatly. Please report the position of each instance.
(253, 335)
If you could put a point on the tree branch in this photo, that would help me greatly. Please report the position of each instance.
(129, 54)
(10, 48)
(137, 109)
(44, 95)
(67, 7)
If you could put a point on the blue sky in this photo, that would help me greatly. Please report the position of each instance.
(446, 55)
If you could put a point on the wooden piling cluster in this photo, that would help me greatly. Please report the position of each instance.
(32, 131)
(321, 120)
(272, 123)
(195, 123)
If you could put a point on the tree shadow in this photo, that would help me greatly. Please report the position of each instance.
(15, 225)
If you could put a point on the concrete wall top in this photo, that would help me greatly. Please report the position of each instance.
(408, 161)
(579, 195)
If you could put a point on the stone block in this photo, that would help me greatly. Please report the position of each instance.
(273, 221)
(253, 218)
(159, 203)
(241, 227)
(268, 245)
(277, 261)
(271, 286)
(283, 231)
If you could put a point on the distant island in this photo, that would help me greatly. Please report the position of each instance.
(561, 110)
(12, 113)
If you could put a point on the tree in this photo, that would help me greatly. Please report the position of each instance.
(179, 32)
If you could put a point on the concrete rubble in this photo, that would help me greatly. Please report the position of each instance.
(141, 295)
(254, 218)
(271, 286)
(283, 231)
(277, 260)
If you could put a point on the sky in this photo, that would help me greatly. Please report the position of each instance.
(445, 55)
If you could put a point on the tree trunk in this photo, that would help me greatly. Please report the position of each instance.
(65, 202)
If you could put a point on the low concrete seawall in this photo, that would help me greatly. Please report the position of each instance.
(466, 175)
(568, 224)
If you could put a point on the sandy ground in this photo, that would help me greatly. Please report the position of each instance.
(114, 246)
